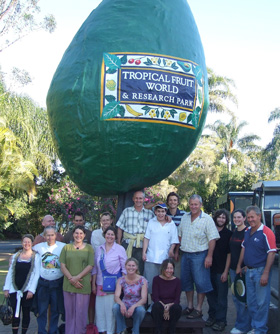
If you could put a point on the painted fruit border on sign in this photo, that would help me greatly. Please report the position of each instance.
(151, 88)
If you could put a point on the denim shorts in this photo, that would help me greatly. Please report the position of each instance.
(193, 272)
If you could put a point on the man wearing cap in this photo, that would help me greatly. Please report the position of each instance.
(132, 225)
(198, 235)
(258, 253)
(47, 221)
(159, 242)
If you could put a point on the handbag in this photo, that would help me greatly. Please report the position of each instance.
(109, 280)
(6, 312)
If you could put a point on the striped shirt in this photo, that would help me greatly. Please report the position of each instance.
(177, 217)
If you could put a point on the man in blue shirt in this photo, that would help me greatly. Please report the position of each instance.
(258, 252)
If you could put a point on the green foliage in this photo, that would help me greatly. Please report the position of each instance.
(220, 92)
(18, 18)
(228, 138)
(29, 124)
(272, 150)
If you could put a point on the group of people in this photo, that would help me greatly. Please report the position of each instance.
(107, 274)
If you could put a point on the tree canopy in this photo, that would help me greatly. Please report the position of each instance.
(18, 18)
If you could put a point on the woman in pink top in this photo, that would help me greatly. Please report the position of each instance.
(114, 257)
(135, 291)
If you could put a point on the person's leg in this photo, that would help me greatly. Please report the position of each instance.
(137, 254)
(150, 271)
(175, 313)
(212, 299)
(201, 276)
(189, 295)
(260, 309)
(15, 321)
(70, 310)
(100, 313)
(138, 316)
(25, 319)
(109, 316)
(82, 302)
(91, 308)
(157, 315)
(200, 300)
(43, 296)
(54, 312)
(222, 293)
(187, 279)
(120, 320)
(243, 319)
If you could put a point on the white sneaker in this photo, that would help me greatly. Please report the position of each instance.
(252, 331)
(236, 331)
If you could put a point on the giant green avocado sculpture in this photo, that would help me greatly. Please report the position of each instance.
(128, 101)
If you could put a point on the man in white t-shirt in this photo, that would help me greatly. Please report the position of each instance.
(97, 238)
(159, 242)
(49, 290)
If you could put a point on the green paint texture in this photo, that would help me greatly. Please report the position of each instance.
(113, 157)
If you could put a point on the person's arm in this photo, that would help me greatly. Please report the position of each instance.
(33, 282)
(209, 257)
(145, 247)
(119, 235)
(224, 276)
(266, 271)
(176, 252)
(240, 261)
(118, 300)
(8, 280)
(93, 284)
(142, 301)
(171, 251)
(75, 280)
(155, 290)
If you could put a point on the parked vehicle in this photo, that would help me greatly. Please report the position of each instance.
(267, 198)
(235, 200)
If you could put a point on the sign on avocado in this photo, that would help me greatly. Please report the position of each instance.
(151, 88)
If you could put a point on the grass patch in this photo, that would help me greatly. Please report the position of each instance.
(3, 273)
(4, 263)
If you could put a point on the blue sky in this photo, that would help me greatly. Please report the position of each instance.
(241, 40)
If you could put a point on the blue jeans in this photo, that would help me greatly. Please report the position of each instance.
(258, 299)
(48, 293)
(137, 316)
(243, 319)
(217, 298)
(193, 272)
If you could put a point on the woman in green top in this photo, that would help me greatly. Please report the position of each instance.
(76, 260)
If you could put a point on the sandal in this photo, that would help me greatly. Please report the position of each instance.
(187, 311)
(195, 314)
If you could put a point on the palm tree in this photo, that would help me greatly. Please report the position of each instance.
(16, 173)
(220, 92)
(29, 123)
(228, 138)
(272, 150)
